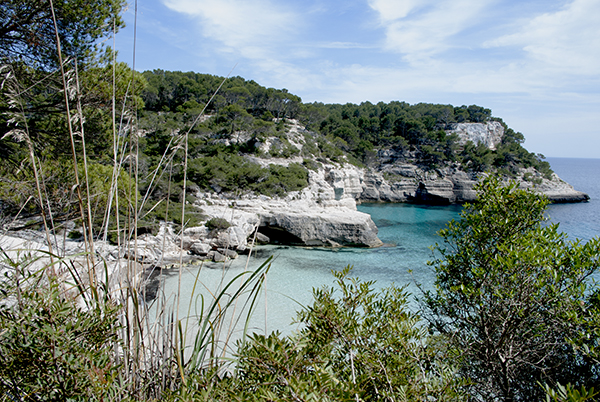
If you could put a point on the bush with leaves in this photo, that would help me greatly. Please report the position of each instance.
(51, 349)
(233, 173)
(217, 223)
(508, 292)
(356, 344)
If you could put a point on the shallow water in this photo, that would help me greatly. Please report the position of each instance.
(408, 231)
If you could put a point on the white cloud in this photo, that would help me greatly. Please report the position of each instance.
(420, 29)
(567, 40)
(500, 54)
(390, 10)
(247, 27)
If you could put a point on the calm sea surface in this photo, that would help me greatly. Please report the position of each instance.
(581, 220)
(408, 231)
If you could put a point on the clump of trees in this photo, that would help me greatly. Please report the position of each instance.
(232, 173)
(513, 297)
(347, 132)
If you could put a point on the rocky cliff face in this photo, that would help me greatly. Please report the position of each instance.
(394, 180)
(489, 134)
(324, 213)
(452, 185)
(307, 218)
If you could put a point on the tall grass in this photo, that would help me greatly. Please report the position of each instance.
(141, 349)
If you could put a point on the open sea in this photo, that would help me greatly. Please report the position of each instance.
(408, 231)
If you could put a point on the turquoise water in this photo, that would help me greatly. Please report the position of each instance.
(408, 231)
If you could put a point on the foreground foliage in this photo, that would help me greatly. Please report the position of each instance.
(512, 318)
(51, 348)
(356, 343)
(512, 295)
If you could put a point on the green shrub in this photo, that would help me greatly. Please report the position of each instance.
(311, 164)
(281, 180)
(50, 348)
(75, 234)
(512, 294)
(217, 223)
(234, 173)
(356, 344)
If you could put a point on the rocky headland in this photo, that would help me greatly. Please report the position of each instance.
(324, 213)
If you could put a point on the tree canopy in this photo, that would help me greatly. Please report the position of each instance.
(509, 294)
(28, 35)
(353, 130)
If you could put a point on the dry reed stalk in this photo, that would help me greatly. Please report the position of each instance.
(85, 166)
(147, 346)
(180, 343)
(88, 242)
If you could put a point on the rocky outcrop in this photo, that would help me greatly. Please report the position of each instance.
(408, 183)
(489, 134)
(555, 188)
(393, 179)
(328, 227)
(324, 213)
(396, 177)
(452, 185)
(304, 219)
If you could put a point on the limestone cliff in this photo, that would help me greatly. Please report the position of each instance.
(489, 134)
(304, 218)
(324, 213)
(398, 176)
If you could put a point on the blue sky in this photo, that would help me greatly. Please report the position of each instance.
(535, 63)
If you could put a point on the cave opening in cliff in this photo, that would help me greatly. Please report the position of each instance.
(422, 195)
(278, 235)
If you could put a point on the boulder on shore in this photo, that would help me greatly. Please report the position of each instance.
(300, 221)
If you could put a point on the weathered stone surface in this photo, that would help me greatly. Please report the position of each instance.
(228, 253)
(197, 232)
(439, 191)
(345, 182)
(324, 213)
(463, 186)
(200, 248)
(234, 237)
(262, 239)
(376, 188)
(348, 228)
(187, 242)
(165, 246)
(299, 219)
(216, 256)
(489, 134)
(455, 186)
(555, 189)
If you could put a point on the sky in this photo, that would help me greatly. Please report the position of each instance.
(534, 63)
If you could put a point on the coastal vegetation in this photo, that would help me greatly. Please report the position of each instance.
(513, 317)
(88, 143)
(244, 121)
(347, 132)
(224, 137)
(512, 296)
